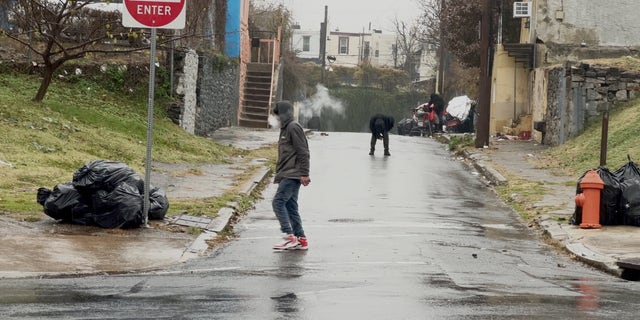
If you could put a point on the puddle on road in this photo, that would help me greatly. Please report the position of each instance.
(79, 253)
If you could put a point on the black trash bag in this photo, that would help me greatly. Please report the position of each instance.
(120, 208)
(101, 175)
(628, 171)
(609, 199)
(629, 205)
(137, 182)
(43, 194)
(158, 204)
(66, 203)
(630, 202)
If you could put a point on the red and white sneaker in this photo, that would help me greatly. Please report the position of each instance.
(289, 242)
(303, 244)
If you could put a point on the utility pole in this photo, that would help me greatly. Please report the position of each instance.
(323, 45)
(484, 103)
(440, 79)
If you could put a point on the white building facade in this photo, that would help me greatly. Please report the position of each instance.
(306, 44)
(351, 49)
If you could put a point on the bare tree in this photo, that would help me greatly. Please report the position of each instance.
(409, 46)
(266, 18)
(429, 21)
(456, 25)
(62, 30)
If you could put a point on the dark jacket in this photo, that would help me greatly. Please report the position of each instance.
(438, 103)
(293, 148)
(379, 124)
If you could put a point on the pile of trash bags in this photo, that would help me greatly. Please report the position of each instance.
(620, 198)
(103, 193)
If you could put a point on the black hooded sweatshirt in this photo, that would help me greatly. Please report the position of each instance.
(293, 148)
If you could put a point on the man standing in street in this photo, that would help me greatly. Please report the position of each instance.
(380, 125)
(292, 170)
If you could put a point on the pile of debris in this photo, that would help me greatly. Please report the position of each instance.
(103, 193)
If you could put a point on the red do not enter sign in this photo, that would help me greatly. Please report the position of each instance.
(167, 14)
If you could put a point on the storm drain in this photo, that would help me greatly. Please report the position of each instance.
(630, 269)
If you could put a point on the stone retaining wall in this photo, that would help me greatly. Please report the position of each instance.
(208, 86)
(577, 94)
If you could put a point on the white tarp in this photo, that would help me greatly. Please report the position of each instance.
(459, 107)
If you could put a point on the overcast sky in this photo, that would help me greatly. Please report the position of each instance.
(350, 15)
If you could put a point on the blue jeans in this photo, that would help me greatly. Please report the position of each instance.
(285, 205)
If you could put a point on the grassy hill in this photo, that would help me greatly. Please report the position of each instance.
(583, 152)
(42, 144)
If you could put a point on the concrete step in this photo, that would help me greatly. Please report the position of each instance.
(259, 67)
(256, 103)
(254, 115)
(255, 109)
(250, 123)
(256, 97)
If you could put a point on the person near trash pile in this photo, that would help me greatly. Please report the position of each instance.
(292, 171)
(380, 125)
(438, 104)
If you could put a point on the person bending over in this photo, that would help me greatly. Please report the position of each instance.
(380, 125)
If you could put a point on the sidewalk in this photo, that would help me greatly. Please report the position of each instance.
(48, 249)
(613, 249)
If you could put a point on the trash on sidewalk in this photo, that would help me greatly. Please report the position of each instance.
(620, 197)
(460, 115)
(103, 193)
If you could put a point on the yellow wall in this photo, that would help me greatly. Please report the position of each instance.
(503, 95)
(538, 98)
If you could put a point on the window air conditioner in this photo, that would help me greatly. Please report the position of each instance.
(521, 9)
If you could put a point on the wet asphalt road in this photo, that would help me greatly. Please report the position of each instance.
(413, 236)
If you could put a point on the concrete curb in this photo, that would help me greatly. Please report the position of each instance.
(485, 169)
(255, 180)
(490, 173)
(588, 256)
(553, 229)
(546, 223)
(558, 233)
(200, 246)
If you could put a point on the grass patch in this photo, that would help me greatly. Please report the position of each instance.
(42, 144)
(628, 63)
(459, 143)
(583, 152)
(206, 207)
(521, 194)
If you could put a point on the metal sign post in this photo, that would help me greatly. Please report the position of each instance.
(148, 161)
(167, 14)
